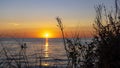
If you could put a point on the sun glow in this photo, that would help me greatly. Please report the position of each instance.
(46, 35)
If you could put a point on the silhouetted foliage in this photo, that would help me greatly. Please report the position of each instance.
(107, 38)
(13, 59)
(104, 50)
(71, 45)
(79, 55)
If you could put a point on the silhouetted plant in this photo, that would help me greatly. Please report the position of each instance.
(78, 55)
(73, 46)
(60, 25)
(69, 46)
(14, 60)
(107, 38)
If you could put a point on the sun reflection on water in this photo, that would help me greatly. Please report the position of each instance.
(46, 52)
(45, 64)
(46, 48)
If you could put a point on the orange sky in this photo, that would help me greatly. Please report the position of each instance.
(35, 18)
(36, 28)
(41, 32)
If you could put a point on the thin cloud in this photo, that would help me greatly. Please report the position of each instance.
(14, 24)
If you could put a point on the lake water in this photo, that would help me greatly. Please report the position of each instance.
(47, 52)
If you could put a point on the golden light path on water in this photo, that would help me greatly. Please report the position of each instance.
(46, 49)
(46, 45)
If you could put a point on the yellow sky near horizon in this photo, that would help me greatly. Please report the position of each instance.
(30, 28)
(35, 18)
(85, 31)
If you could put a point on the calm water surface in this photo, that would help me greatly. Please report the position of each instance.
(51, 51)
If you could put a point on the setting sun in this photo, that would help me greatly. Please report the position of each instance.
(46, 35)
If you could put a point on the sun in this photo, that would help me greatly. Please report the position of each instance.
(46, 35)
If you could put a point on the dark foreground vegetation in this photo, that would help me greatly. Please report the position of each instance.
(102, 52)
